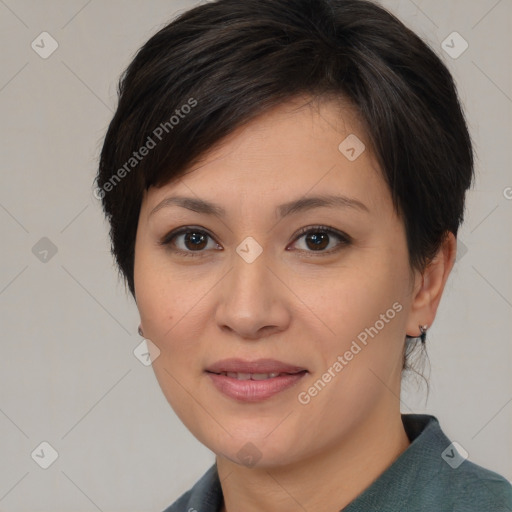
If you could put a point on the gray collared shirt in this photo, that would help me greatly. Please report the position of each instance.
(429, 476)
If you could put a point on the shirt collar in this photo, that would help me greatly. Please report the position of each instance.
(411, 472)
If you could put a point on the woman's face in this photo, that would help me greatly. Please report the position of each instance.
(246, 284)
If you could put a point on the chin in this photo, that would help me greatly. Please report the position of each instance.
(256, 451)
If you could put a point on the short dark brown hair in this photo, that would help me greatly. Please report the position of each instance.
(221, 64)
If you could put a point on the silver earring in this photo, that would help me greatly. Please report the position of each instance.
(140, 331)
(423, 333)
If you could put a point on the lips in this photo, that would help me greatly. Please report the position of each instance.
(253, 381)
(256, 367)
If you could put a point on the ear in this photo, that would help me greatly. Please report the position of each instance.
(429, 286)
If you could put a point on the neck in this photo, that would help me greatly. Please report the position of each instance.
(327, 481)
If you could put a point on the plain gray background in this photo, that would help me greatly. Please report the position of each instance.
(68, 375)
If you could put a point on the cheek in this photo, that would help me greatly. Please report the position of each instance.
(351, 298)
(168, 311)
(364, 308)
(169, 306)
(162, 294)
(171, 300)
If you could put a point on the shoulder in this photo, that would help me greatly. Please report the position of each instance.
(442, 476)
(475, 488)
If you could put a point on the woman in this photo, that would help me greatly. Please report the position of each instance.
(285, 180)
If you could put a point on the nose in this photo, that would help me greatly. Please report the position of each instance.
(253, 302)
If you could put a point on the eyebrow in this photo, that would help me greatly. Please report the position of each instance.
(299, 205)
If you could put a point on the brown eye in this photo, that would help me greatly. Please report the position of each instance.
(320, 238)
(317, 241)
(189, 240)
(195, 240)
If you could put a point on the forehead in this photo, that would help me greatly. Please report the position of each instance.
(298, 148)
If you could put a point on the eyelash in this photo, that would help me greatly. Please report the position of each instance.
(343, 238)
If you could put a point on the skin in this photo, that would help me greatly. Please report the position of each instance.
(292, 304)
